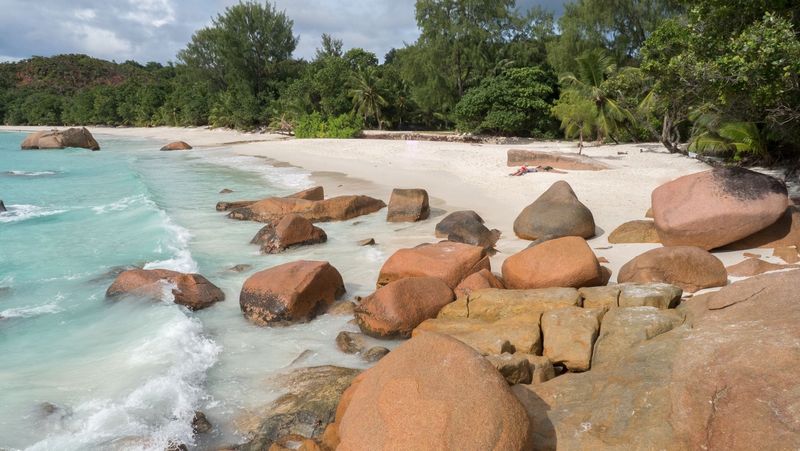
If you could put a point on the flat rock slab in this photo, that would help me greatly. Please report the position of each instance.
(559, 160)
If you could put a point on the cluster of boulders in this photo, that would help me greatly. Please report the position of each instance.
(55, 139)
(545, 352)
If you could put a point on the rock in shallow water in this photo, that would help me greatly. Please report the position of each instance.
(54, 139)
(289, 293)
(191, 290)
(309, 406)
(2, 206)
(408, 205)
(335, 209)
(177, 145)
(290, 231)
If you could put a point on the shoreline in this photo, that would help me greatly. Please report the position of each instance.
(457, 176)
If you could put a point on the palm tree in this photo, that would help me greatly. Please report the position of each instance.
(594, 66)
(578, 116)
(367, 100)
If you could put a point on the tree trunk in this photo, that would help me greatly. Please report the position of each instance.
(670, 136)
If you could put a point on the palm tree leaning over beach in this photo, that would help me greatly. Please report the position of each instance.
(367, 99)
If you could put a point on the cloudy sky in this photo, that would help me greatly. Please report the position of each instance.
(154, 30)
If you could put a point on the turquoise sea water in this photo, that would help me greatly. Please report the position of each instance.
(80, 372)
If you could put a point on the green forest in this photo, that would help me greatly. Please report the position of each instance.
(706, 76)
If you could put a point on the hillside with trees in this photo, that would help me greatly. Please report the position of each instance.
(708, 76)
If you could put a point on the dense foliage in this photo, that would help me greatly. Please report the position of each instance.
(715, 76)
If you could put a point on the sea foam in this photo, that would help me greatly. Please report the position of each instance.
(18, 213)
(160, 410)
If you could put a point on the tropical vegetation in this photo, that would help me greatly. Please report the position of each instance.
(707, 76)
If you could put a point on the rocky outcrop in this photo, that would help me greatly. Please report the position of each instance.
(398, 307)
(289, 231)
(335, 209)
(515, 368)
(177, 145)
(641, 231)
(569, 336)
(431, 391)
(789, 254)
(448, 261)
(559, 160)
(784, 232)
(556, 213)
(754, 266)
(687, 388)
(408, 205)
(2, 206)
(659, 295)
(624, 328)
(307, 408)
(315, 193)
(191, 290)
(494, 321)
(234, 204)
(54, 139)
(478, 281)
(690, 268)
(289, 293)
(561, 262)
(713, 208)
(467, 227)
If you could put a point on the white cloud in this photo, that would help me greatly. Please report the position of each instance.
(99, 41)
(155, 13)
(85, 14)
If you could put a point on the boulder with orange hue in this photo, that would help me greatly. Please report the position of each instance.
(408, 205)
(635, 232)
(315, 193)
(713, 208)
(398, 307)
(561, 262)
(690, 268)
(335, 209)
(289, 293)
(289, 231)
(789, 254)
(784, 232)
(478, 281)
(754, 266)
(431, 393)
(55, 139)
(192, 290)
(451, 262)
(177, 145)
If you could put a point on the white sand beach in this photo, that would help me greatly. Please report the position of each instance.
(459, 176)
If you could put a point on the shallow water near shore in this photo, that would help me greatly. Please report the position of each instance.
(81, 372)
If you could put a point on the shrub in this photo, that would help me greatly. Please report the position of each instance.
(343, 126)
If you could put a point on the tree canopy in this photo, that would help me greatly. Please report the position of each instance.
(698, 75)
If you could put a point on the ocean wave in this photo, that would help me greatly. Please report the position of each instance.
(182, 260)
(121, 204)
(156, 413)
(29, 173)
(28, 312)
(285, 177)
(18, 213)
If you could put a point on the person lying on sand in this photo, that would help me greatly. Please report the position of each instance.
(524, 170)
